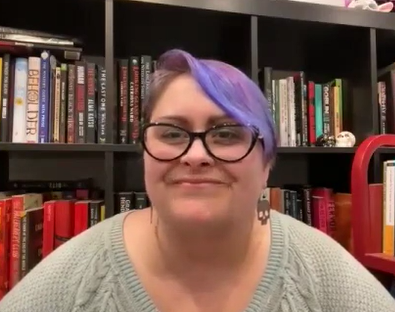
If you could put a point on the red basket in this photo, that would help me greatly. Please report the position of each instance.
(367, 252)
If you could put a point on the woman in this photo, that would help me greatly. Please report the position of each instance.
(205, 244)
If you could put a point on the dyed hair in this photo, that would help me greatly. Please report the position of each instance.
(236, 94)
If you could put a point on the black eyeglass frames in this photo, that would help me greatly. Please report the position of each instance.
(226, 142)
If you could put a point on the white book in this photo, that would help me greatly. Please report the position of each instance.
(33, 99)
(19, 106)
(283, 101)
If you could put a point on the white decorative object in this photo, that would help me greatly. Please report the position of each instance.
(345, 139)
(371, 5)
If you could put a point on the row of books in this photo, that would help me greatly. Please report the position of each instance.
(48, 101)
(319, 207)
(35, 221)
(306, 113)
(39, 91)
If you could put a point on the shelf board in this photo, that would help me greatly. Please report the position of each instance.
(316, 150)
(290, 10)
(380, 262)
(60, 147)
(386, 150)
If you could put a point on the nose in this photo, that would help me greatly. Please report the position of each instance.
(197, 155)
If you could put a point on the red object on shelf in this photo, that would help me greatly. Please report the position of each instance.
(368, 253)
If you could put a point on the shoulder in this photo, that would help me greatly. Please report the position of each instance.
(340, 282)
(63, 280)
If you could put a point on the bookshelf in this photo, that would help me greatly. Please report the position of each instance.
(323, 41)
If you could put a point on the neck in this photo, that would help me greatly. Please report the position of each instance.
(224, 248)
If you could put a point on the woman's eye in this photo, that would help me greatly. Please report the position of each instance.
(225, 134)
(170, 135)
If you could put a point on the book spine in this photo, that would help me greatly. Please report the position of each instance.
(23, 245)
(44, 98)
(5, 213)
(91, 104)
(307, 206)
(134, 100)
(64, 221)
(1, 84)
(52, 97)
(102, 101)
(326, 110)
(20, 94)
(293, 207)
(71, 104)
(291, 112)
(298, 110)
(124, 201)
(80, 99)
(267, 85)
(63, 103)
(388, 204)
(32, 99)
(17, 209)
(123, 102)
(81, 216)
(140, 200)
(331, 110)
(94, 212)
(304, 111)
(56, 120)
(5, 105)
(48, 227)
(381, 87)
(311, 112)
(145, 78)
(318, 110)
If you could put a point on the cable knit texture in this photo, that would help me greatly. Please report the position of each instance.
(306, 272)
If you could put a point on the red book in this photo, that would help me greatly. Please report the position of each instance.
(311, 112)
(5, 215)
(20, 204)
(81, 216)
(48, 227)
(64, 221)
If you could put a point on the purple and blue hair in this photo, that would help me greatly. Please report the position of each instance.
(229, 88)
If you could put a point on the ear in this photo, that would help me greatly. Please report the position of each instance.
(385, 7)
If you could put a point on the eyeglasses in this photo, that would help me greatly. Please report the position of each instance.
(227, 142)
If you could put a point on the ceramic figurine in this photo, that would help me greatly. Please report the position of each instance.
(345, 139)
(371, 5)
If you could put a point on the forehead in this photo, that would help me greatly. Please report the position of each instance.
(184, 99)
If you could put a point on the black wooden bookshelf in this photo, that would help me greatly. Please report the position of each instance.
(250, 34)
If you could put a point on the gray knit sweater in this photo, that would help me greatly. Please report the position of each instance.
(306, 272)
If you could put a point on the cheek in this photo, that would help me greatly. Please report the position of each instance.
(153, 171)
(253, 172)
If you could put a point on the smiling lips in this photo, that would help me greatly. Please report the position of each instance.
(196, 181)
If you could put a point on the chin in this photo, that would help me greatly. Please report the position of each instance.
(198, 211)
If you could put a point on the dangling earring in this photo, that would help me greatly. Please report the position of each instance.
(263, 209)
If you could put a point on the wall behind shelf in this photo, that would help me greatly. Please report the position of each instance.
(141, 28)
(81, 19)
(55, 166)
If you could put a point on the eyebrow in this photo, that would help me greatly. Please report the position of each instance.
(184, 120)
